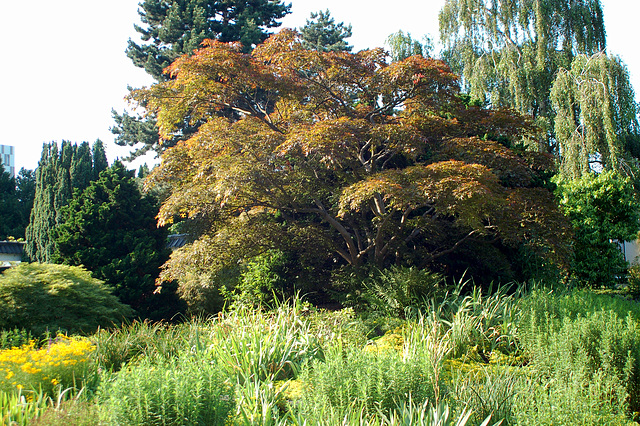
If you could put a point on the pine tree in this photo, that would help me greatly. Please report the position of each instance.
(323, 34)
(173, 28)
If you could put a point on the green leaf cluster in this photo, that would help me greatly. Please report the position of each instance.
(42, 297)
(602, 208)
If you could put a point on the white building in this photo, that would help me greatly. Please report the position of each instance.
(8, 158)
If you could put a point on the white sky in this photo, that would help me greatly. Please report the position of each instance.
(63, 66)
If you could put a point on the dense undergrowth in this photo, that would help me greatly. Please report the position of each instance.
(538, 357)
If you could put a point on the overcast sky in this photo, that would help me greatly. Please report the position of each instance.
(63, 65)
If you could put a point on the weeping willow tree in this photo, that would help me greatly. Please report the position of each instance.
(596, 123)
(509, 51)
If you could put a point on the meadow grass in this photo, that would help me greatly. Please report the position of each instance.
(515, 357)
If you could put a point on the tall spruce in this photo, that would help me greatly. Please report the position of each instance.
(173, 28)
(60, 171)
(323, 34)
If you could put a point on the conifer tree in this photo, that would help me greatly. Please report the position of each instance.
(173, 28)
(59, 172)
(323, 34)
(110, 229)
(100, 162)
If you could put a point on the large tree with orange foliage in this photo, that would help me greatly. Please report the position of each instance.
(340, 156)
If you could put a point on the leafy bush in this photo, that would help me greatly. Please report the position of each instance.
(114, 348)
(188, 389)
(598, 347)
(14, 338)
(17, 410)
(354, 377)
(42, 297)
(395, 291)
(253, 345)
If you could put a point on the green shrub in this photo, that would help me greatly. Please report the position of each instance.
(116, 347)
(596, 347)
(372, 381)
(254, 345)
(395, 291)
(14, 338)
(189, 389)
(18, 408)
(42, 297)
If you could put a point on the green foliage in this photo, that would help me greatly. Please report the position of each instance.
(601, 208)
(403, 46)
(188, 389)
(397, 291)
(16, 202)
(16, 410)
(509, 53)
(40, 298)
(12, 338)
(170, 29)
(60, 172)
(580, 339)
(323, 34)
(117, 347)
(596, 120)
(354, 377)
(250, 345)
(110, 229)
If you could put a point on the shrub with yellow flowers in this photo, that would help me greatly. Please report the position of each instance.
(63, 362)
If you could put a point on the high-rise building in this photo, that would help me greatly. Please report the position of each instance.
(8, 158)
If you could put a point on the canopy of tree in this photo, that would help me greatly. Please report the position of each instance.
(341, 156)
(173, 28)
(602, 208)
(322, 33)
(545, 58)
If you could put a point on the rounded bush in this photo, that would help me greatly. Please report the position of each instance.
(42, 297)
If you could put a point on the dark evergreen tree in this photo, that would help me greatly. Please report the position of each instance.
(110, 228)
(43, 215)
(59, 173)
(25, 192)
(9, 220)
(322, 33)
(172, 28)
(100, 162)
(81, 167)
